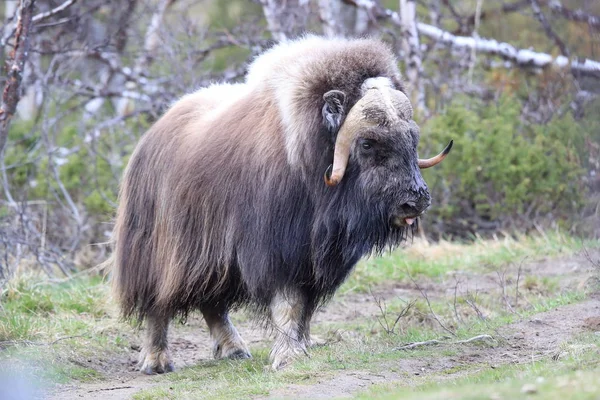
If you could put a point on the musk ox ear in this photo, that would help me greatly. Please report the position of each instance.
(333, 110)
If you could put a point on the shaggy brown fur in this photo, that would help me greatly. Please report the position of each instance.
(223, 201)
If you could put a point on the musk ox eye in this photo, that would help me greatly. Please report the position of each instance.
(367, 144)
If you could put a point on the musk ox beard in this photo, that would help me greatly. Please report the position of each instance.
(267, 193)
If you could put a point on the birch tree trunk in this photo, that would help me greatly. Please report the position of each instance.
(330, 13)
(286, 18)
(412, 52)
(152, 40)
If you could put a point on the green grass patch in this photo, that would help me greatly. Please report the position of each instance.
(34, 309)
(570, 375)
(61, 329)
(436, 260)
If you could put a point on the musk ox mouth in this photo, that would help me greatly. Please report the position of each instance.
(404, 221)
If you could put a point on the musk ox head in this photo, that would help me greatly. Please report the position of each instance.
(381, 138)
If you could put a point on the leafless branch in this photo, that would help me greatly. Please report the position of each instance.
(54, 11)
(517, 285)
(577, 15)
(434, 342)
(539, 15)
(502, 283)
(520, 57)
(414, 345)
(390, 328)
(466, 24)
(454, 301)
(433, 314)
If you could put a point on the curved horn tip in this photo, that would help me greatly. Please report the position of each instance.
(430, 162)
(448, 147)
(329, 181)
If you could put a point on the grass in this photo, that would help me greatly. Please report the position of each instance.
(68, 331)
(574, 377)
(33, 309)
(54, 328)
(436, 260)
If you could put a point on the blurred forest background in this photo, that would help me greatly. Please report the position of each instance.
(515, 83)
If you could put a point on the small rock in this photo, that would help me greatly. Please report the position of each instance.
(529, 388)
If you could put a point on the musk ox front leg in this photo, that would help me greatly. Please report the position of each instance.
(227, 341)
(155, 357)
(290, 322)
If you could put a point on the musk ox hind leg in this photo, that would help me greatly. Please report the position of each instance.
(227, 341)
(155, 357)
(290, 322)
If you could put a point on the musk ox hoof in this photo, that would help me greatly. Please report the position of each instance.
(284, 358)
(231, 352)
(157, 363)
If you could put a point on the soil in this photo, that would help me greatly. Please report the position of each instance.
(534, 337)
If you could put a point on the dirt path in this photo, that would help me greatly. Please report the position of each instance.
(540, 335)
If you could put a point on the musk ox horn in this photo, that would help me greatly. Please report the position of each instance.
(380, 105)
(430, 162)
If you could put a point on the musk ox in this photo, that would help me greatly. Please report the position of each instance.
(266, 194)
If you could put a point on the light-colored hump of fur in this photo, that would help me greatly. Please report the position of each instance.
(209, 102)
(159, 146)
(288, 69)
(238, 124)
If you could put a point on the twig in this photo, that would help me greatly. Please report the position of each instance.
(409, 346)
(7, 343)
(478, 338)
(578, 15)
(110, 388)
(502, 283)
(517, 285)
(587, 255)
(53, 11)
(539, 15)
(435, 342)
(458, 317)
(383, 320)
(426, 297)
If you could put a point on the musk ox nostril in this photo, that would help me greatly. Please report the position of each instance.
(414, 208)
(410, 209)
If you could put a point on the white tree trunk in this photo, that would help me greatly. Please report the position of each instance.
(412, 52)
(330, 13)
(285, 18)
(152, 40)
(521, 57)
